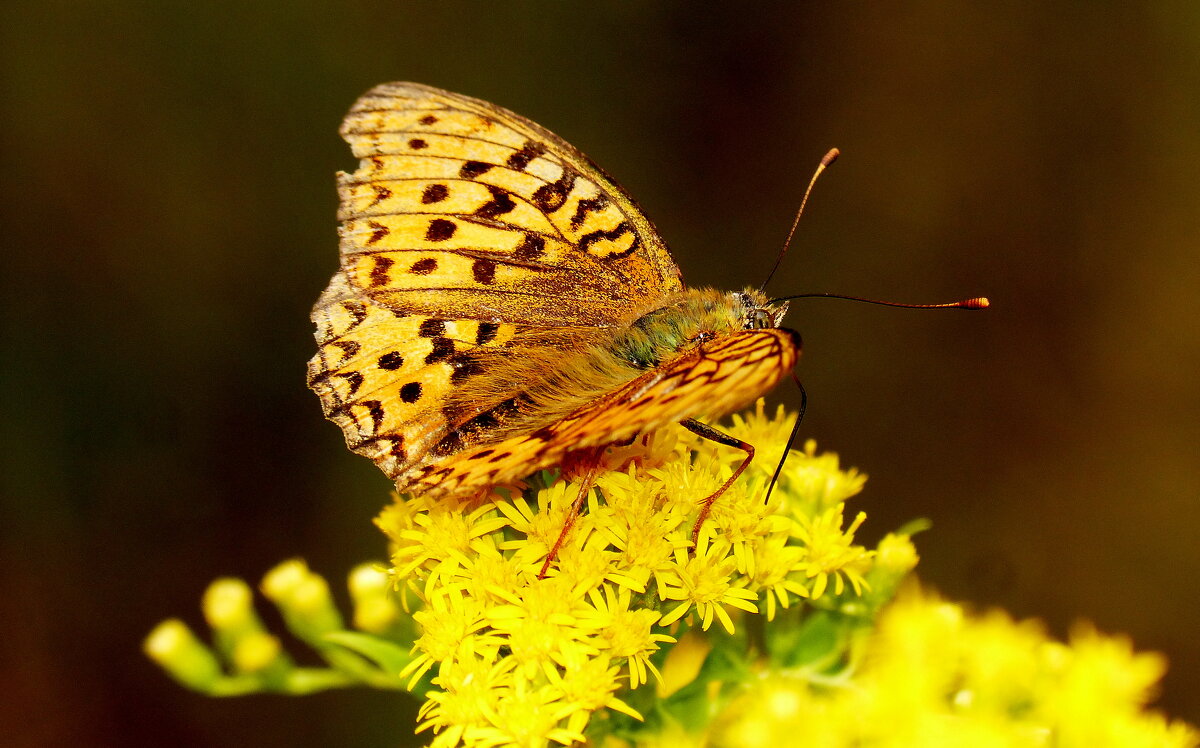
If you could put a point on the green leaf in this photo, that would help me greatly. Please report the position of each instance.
(816, 640)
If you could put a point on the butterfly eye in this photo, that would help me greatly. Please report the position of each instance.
(759, 319)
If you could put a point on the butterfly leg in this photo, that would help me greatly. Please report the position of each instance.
(586, 464)
(708, 432)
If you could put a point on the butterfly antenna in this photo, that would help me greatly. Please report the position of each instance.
(791, 438)
(979, 302)
(825, 162)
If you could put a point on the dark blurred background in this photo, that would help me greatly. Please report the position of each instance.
(168, 206)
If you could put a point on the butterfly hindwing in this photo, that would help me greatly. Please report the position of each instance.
(382, 377)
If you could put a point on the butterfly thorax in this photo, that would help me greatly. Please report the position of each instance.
(691, 317)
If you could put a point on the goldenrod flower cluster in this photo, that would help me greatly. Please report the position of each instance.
(513, 658)
(932, 675)
(769, 632)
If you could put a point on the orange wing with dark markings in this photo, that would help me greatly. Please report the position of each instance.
(716, 378)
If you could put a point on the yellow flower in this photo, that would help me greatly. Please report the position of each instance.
(590, 565)
(375, 605)
(768, 434)
(830, 552)
(740, 519)
(896, 554)
(578, 639)
(528, 715)
(816, 482)
(443, 532)
(621, 632)
(774, 560)
(538, 531)
(705, 581)
(933, 674)
(547, 625)
(466, 702)
(492, 577)
(449, 627)
(684, 662)
(1099, 675)
(586, 685)
(637, 525)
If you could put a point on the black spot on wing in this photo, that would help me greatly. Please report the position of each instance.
(587, 240)
(390, 361)
(375, 410)
(379, 270)
(443, 349)
(531, 150)
(424, 266)
(434, 193)
(440, 229)
(447, 445)
(472, 169)
(349, 348)
(357, 311)
(464, 367)
(486, 333)
(551, 196)
(484, 271)
(479, 424)
(531, 248)
(500, 204)
(378, 231)
(353, 379)
(583, 207)
(381, 193)
(431, 328)
(395, 446)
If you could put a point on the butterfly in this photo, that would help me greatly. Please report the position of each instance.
(503, 306)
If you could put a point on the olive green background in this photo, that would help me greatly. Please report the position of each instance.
(168, 206)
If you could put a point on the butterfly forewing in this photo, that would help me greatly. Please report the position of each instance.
(462, 209)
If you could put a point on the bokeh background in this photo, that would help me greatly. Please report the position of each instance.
(168, 208)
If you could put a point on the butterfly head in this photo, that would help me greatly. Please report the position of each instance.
(759, 313)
